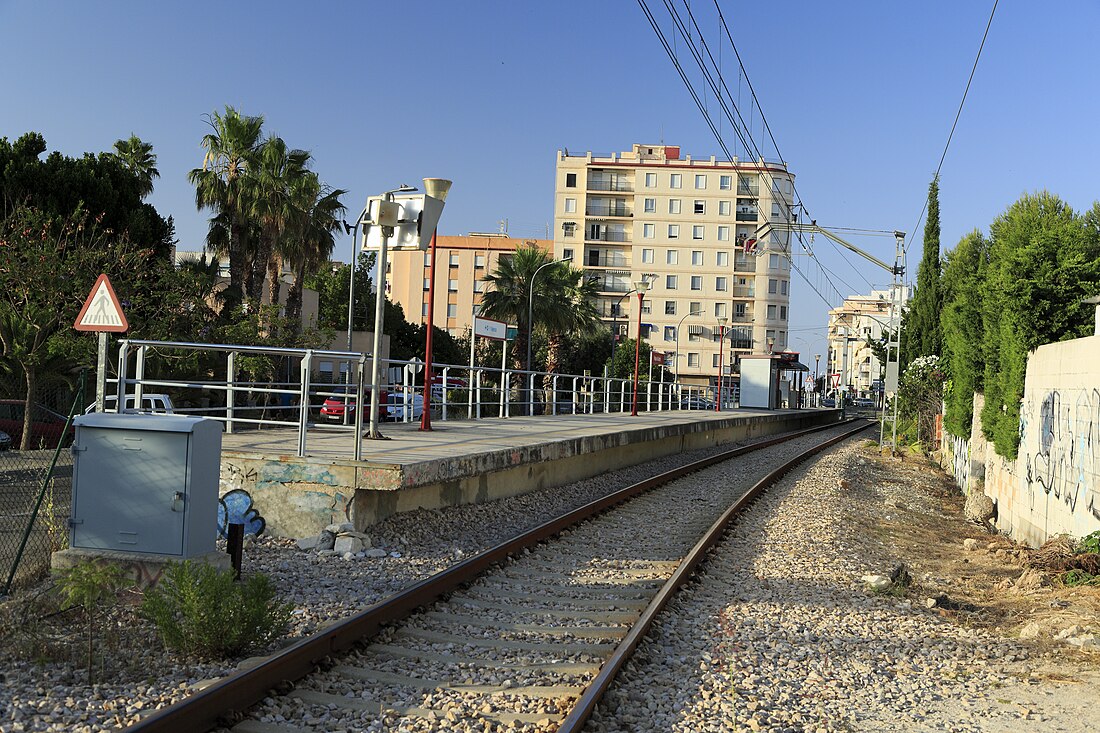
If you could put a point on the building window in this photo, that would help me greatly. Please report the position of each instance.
(723, 234)
(648, 231)
(423, 309)
(782, 287)
(570, 206)
(697, 231)
(714, 360)
(479, 286)
(570, 180)
(700, 207)
(719, 310)
(672, 256)
(674, 206)
(700, 181)
(720, 285)
(479, 260)
(673, 231)
(739, 309)
(696, 308)
(454, 260)
(773, 262)
(452, 310)
(696, 282)
(647, 255)
(693, 359)
(723, 258)
(645, 307)
(567, 253)
(771, 312)
(651, 180)
(782, 312)
(670, 333)
(452, 286)
(724, 208)
(427, 284)
(670, 307)
(568, 229)
(675, 181)
(670, 282)
(773, 286)
(725, 182)
(427, 259)
(697, 257)
(650, 206)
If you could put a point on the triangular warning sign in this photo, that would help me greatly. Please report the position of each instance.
(102, 311)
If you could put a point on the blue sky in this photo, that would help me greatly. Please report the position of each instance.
(859, 95)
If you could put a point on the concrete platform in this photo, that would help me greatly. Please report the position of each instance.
(266, 485)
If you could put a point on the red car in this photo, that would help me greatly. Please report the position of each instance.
(47, 426)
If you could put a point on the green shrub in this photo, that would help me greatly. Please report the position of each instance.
(1079, 577)
(91, 586)
(1090, 543)
(201, 611)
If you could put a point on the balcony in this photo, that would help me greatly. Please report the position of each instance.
(748, 190)
(606, 236)
(748, 214)
(615, 185)
(606, 259)
(602, 209)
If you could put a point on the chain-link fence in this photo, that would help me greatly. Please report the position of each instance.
(36, 470)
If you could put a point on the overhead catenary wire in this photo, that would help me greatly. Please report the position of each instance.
(954, 124)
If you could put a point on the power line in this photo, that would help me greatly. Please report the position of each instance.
(958, 114)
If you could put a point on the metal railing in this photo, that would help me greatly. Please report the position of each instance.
(252, 387)
(607, 210)
(612, 185)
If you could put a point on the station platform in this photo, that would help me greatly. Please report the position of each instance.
(265, 485)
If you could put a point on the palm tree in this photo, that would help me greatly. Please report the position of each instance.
(219, 184)
(309, 241)
(138, 158)
(575, 312)
(276, 171)
(507, 298)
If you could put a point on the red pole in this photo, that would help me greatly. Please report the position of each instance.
(426, 415)
(721, 348)
(637, 353)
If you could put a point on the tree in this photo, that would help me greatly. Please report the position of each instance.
(220, 186)
(574, 314)
(509, 298)
(309, 240)
(268, 189)
(921, 332)
(138, 158)
(961, 324)
(1043, 260)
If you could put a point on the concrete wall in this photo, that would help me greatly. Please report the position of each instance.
(1053, 486)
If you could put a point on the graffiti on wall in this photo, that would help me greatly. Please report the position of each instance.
(236, 507)
(961, 463)
(1060, 458)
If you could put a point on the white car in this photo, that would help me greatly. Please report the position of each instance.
(157, 404)
(397, 403)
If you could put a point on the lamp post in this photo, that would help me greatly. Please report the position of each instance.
(436, 188)
(531, 303)
(721, 348)
(676, 356)
(817, 366)
(615, 322)
(641, 286)
(379, 316)
(352, 229)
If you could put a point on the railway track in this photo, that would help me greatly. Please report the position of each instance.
(527, 635)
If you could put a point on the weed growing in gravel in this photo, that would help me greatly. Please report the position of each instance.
(92, 586)
(199, 610)
(1079, 577)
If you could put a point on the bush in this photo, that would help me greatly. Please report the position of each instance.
(201, 611)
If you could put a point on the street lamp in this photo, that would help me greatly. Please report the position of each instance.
(352, 229)
(721, 348)
(817, 366)
(615, 323)
(531, 303)
(676, 358)
(379, 315)
(641, 286)
(437, 188)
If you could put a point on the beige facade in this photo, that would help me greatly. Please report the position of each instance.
(860, 319)
(461, 265)
(690, 227)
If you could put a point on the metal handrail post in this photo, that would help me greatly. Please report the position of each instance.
(230, 392)
(303, 403)
(360, 373)
(503, 390)
(139, 376)
(443, 389)
(576, 396)
(554, 386)
(120, 388)
(622, 395)
(531, 393)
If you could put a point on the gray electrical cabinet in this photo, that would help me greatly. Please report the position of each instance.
(145, 484)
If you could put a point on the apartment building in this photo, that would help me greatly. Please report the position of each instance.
(691, 228)
(461, 264)
(861, 319)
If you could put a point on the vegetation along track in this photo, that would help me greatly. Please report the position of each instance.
(526, 635)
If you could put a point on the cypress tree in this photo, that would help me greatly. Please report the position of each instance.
(925, 337)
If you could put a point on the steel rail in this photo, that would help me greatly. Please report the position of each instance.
(588, 700)
(225, 700)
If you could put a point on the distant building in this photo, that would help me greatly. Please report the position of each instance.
(690, 227)
(461, 264)
(860, 319)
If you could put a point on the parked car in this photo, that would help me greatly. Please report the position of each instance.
(47, 426)
(828, 402)
(696, 403)
(864, 403)
(393, 404)
(397, 403)
(5, 441)
(158, 404)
